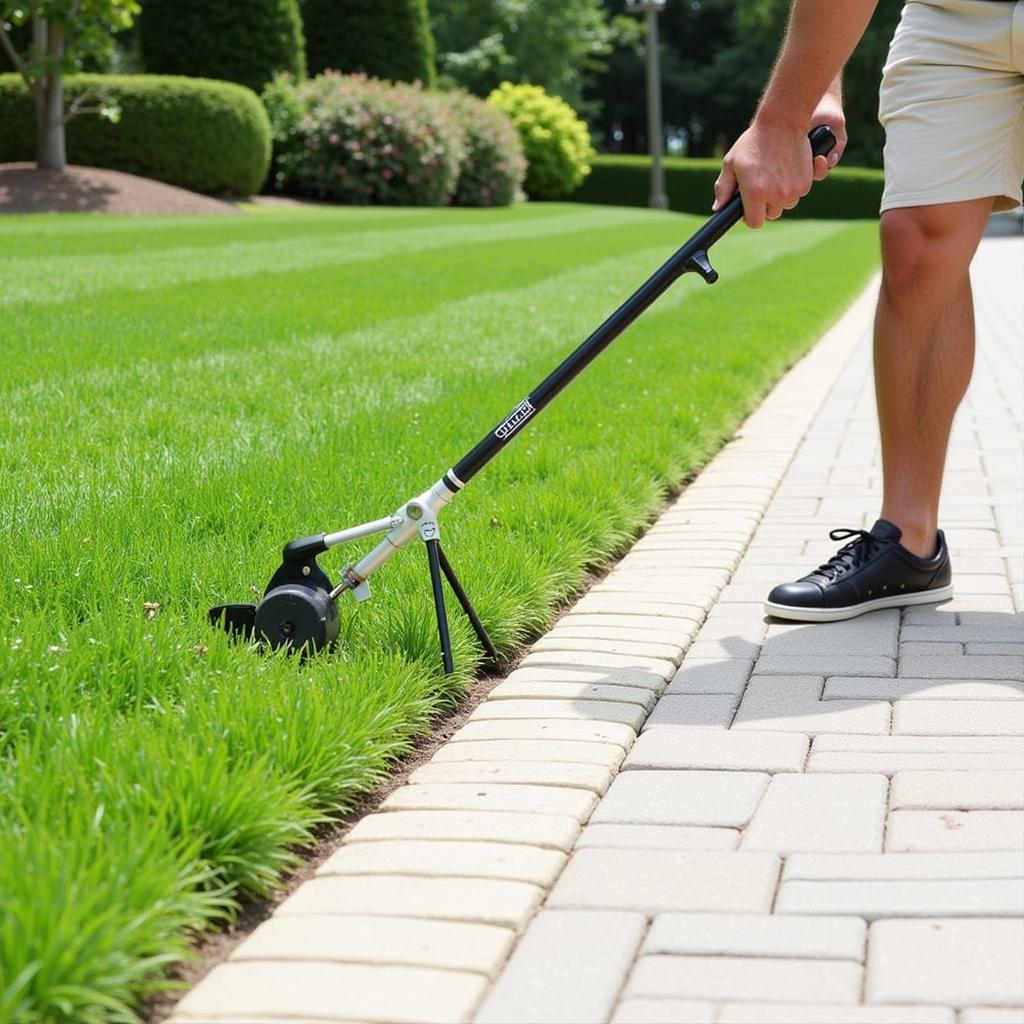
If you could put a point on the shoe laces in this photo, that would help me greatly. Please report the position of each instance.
(850, 556)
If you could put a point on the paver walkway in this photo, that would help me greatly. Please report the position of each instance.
(819, 824)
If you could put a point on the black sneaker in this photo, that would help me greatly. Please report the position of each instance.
(873, 571)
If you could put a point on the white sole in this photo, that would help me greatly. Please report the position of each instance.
(795, 614)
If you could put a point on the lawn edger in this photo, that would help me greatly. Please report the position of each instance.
(299, 608)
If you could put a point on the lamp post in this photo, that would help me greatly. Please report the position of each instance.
(652, 8)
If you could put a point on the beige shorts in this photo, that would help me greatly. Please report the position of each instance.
(952, 104)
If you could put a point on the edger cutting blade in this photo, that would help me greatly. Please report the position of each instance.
(238, 619)
(296, 611)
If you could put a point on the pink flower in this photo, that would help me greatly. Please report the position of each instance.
(387, 174)
(334, 138)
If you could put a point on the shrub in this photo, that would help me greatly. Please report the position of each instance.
(244, 41)
(360, 140)
(203, 135)
(382, 38)
(555, 140)
(848, 192)
(493, 166)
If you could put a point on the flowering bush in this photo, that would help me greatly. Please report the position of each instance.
(493, 167)
(359, 140)
(555, 140)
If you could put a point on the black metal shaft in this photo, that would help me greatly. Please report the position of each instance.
(437, 587)
(467, 607)
(690, 257)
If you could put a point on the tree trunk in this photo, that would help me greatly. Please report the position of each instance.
(50, 151)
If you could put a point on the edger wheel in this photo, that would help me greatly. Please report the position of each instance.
(297, 617)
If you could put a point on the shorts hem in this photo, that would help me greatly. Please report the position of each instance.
(1006, 199)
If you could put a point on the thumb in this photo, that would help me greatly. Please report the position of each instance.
(725, 186)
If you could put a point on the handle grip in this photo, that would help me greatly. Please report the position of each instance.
(822, 142)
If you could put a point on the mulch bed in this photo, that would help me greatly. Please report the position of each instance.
(26, 189)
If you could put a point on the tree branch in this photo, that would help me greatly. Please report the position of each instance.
(16, 60)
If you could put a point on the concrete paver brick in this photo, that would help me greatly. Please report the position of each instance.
(993, 632)
(628, 627)
(515, 862)
(665, 1011)
(915, 647)
(607, 754)
(653, 881)
(793, 704)
(820, 812)
(719, 749)
(904, 898)
(992, 1015)
(959, 963)
(698, 675)
(827, 664)
(636, 677)
(903, 866)
(593, 777)
(958, 790)
(681, 798)
(959, 718)
(961, 666)
(872, 634)
(459, 796)
(693, 711)
(748, 935)
(889, 754)
(749, 978)
(658, 837)
(546, 729)
(1014, 650)
(858, 687)
(663, 668)
(568, 967)
(954, 830)
(632, 715)
(816, 1013)
(476, 900)
(557, 640)
(635, 605)
(349, 938)
(556, 832)
(536, 689)
(333, 992)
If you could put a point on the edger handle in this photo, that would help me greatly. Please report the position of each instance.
(692, 256)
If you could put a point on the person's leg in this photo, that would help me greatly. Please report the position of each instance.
(924, 354)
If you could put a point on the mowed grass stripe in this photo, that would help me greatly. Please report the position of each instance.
(155, 771)
(69, 277)
(174, 411)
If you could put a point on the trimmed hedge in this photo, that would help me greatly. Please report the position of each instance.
(556, 142)
(361, 140)
(849, 193)
(244, 41)
(198, 134)
(388, 39)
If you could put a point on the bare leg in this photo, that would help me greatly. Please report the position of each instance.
(924, 354)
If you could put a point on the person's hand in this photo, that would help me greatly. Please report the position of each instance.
(772, 168)
(771, 163)
(830, 111)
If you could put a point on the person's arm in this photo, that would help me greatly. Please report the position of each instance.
(771, 163)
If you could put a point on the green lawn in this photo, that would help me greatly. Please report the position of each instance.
(178, 397)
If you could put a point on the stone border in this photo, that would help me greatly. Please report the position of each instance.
(418, 910)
